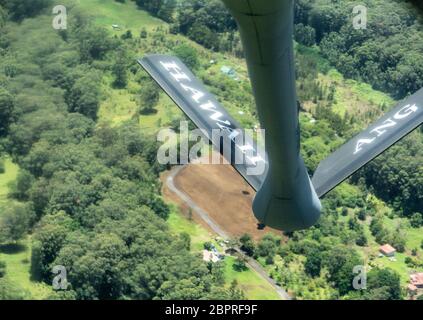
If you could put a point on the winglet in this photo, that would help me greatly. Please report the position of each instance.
(395, 125)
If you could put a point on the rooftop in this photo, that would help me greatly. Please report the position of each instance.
(417, 279)
(210, 256)
(387, 249)
(412, 287)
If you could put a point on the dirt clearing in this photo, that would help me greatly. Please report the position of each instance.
(222, 193)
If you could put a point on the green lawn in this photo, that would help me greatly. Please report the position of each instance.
(414, 237)
(179, 224)
(398, 265)
(253, 285)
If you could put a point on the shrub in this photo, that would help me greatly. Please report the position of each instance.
(2, 269)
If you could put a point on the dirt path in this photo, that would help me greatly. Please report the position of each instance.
(204, 216)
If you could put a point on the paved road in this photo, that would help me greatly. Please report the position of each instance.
(253, 264)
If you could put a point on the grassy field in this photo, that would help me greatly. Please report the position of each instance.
(254, 287)
(120, 105)
(180, 224)
(351, 96)
(117, 106)
(398, 265)
(357, 97)
(17, 257)
(414, 236)
(11, 171)
(126, 15)
(354, 97)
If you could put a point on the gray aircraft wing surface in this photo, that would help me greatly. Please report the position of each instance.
(363, 148)
(207, 114)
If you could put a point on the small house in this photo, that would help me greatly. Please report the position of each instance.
(211, 256)
(387, 250)
(416, 280)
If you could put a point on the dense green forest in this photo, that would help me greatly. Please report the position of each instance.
(386, 54)
(88, 193)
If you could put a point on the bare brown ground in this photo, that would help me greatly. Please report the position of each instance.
(223, 194)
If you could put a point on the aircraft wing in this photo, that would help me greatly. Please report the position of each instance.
(207, 114)
(402, 120)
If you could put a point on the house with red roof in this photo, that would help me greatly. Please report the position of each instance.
(416, 280)
(387, 250)
(416, 285)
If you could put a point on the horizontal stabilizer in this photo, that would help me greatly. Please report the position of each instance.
(207, 114)
(369, 144)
